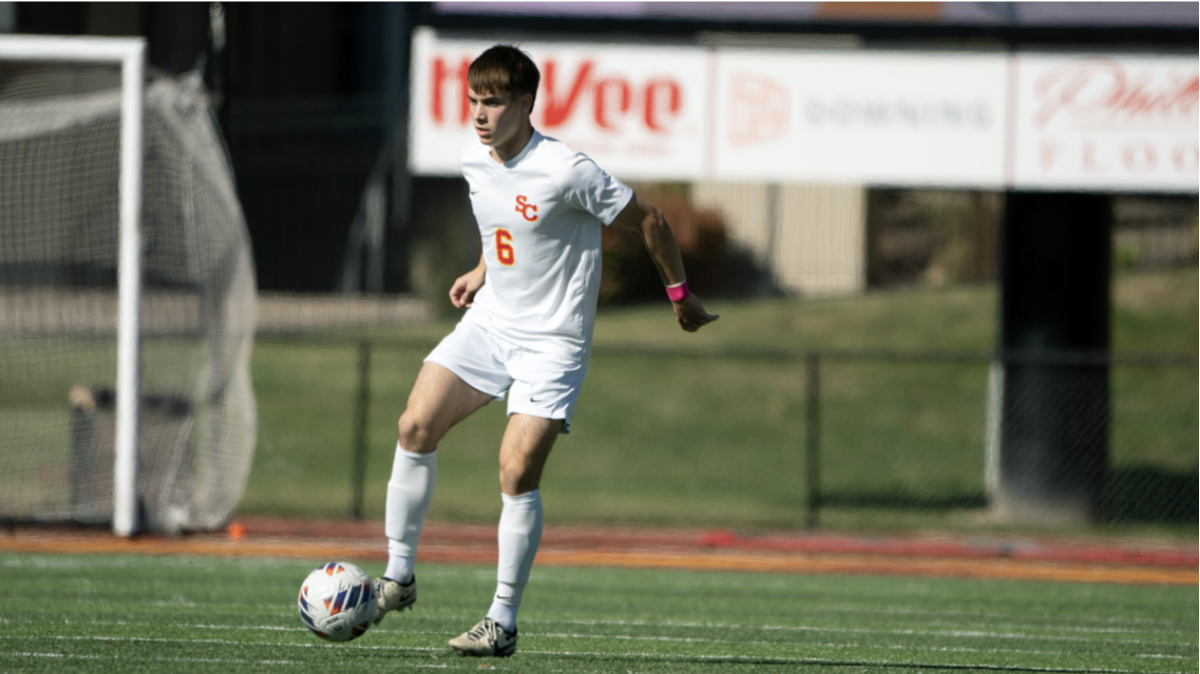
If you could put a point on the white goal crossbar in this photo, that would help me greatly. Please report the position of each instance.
(130, 54)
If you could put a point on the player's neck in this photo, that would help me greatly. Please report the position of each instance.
(513, 146)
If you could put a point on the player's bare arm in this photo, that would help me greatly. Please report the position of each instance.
(644, 218)
(462, 293)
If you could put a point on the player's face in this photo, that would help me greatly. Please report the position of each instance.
(499, 117)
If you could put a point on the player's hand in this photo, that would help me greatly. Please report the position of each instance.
(691, 314)
(462, 293)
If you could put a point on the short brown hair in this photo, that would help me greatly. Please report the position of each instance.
(504, 69)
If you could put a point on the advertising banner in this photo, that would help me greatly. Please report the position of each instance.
(895, 118)
(1111, 123)
(637, 110)
(983, 120)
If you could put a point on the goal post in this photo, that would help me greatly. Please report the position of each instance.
(130, 55)
(127, 294)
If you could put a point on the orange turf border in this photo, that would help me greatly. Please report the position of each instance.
(647, 550)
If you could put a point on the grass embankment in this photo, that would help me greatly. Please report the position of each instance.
(718, 442)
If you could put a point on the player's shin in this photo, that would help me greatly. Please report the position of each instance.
(410, 492)
(520, 533)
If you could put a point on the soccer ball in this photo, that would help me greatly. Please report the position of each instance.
(337, 601)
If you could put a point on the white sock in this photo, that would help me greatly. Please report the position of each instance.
(504, 606)
(409, 493)
(519, 534)
(400, 566)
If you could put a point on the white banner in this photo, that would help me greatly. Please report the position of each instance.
(906, 118)
(1105, 122)
(637, 110)
(897, 118)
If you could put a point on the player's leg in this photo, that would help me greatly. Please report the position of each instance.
(523, 454)
(527, 444)
(524, 450)
(439, 400)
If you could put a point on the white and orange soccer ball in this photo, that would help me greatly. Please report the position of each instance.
(337, 601)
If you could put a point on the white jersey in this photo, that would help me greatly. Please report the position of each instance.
(539, 216)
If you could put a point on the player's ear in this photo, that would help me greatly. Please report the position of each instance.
(527, 103)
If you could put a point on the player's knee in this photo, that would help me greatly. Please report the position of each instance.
(516, 478)
(412, 434)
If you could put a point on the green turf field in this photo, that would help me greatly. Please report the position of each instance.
(97, 614)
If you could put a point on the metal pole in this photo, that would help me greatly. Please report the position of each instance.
(360, 428)
(812, 444)
(129, 283)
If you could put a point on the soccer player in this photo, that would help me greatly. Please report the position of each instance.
(531, 305)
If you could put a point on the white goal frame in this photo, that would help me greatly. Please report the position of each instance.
(130, 54)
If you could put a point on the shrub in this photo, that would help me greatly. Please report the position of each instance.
(629, 272)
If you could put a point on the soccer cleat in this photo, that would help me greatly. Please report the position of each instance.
(487, 639)
(393, 596)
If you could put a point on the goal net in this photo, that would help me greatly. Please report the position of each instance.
(60, 156)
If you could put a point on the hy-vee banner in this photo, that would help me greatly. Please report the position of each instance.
(990, 120)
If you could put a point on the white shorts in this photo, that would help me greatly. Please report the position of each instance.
(537, 383)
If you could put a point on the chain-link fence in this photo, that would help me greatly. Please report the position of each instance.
(749, 438)
(959, 433)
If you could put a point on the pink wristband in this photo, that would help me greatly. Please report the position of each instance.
(678, 292)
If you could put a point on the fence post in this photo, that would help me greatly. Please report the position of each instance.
(361, 408)
(812, 443)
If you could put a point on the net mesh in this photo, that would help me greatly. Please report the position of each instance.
(59, 239)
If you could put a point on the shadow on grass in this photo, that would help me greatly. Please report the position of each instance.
(1135, 494)
(902, 500)
(1152, 494)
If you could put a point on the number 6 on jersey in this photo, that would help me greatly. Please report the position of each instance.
(504, 249)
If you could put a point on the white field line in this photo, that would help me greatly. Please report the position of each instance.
(973, 614)
(853, 645)
(640, 656)
(159, 659)
(220, 642)
(60, 655)
(1131, 623)
(893, 647)
(902, 647)
(1147, 626)
(974, 634)
(864, 663)
(1136, 626)
(919, 633)
(405, 665)
(1107, 626)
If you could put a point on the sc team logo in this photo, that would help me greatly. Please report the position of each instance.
(526, 209)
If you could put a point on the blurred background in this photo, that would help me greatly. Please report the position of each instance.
(954, 246)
